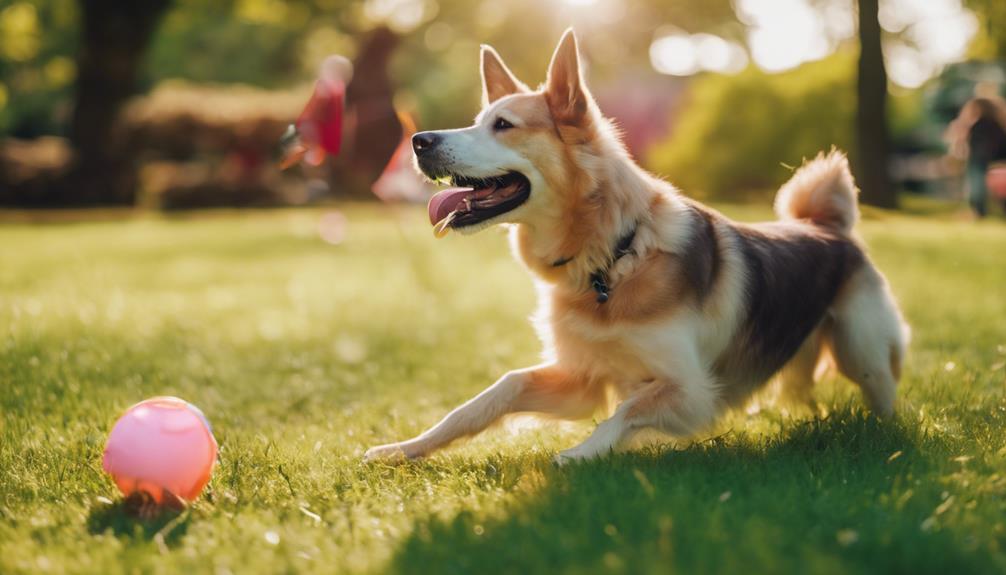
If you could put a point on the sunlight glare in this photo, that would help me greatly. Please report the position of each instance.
(717, 55)
(905, 67)
(679, 54)
(674, 55)
(935, 33)
(783, 34)
(400, 15)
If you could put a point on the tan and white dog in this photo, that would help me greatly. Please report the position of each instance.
(677, 310)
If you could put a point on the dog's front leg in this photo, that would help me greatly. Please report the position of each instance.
(680, 405)
(536, 389)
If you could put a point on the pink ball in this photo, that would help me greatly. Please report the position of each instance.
(163, 443)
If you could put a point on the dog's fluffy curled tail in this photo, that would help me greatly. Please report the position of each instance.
(821, 191)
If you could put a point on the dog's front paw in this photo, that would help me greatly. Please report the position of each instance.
(560, 460)
(574, 455)
(390, 453)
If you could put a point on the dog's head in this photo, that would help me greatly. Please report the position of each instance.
(524, 157)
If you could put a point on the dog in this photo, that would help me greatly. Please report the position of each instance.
(644, 294)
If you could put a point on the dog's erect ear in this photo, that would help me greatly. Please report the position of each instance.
(497, 80)
(567, 99)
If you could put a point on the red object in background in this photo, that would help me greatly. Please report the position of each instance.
(318, 130)
(320, 124)
(995, 179)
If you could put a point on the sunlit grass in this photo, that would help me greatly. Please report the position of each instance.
(303, 354)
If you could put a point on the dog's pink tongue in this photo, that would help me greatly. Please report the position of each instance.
(445, 202)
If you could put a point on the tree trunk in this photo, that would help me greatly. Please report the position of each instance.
(872, 136)
(114, 40)
(376, 129)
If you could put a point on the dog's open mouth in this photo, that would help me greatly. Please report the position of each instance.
(475, 200)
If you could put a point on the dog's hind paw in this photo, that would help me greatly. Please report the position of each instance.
(390, 453)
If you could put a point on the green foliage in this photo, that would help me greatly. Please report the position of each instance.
(437, 66)
(303, 354)
(906, 112)
(216, 49)
(991, 41)
(258, 42)
(37, 67)
(738, 133)
(273, 43)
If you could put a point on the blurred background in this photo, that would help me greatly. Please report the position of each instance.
(176, 104)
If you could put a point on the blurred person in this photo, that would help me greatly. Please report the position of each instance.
(317, 133)
(351, 117)
(979, 135)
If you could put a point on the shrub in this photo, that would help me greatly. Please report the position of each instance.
(738, 133)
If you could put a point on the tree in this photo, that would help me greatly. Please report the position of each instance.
(114, 39)
(872, 132)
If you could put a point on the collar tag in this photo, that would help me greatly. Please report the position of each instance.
(599, 279)
(600, 285)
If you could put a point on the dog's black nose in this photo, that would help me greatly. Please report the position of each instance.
(425, 141)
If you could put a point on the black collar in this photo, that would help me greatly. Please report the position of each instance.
(599, 278)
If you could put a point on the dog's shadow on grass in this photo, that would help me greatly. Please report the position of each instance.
(837, 494)
(165, 529)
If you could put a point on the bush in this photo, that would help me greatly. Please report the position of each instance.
(738, 133)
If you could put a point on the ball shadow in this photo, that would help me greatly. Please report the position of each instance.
(166, 528)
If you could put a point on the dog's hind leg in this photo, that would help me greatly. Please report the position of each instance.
(868, 338)
(543, 389)
(681, 405)
(796, 378)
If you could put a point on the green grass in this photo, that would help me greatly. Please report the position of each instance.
(303, 354)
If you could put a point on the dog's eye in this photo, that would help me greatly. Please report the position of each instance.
(501, 124)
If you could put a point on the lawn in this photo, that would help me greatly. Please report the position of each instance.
(303, 354)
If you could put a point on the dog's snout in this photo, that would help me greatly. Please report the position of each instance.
(425, 141)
